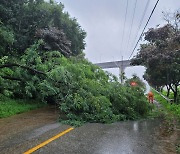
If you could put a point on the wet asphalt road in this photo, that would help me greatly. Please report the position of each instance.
(131, 137)
(118, 138)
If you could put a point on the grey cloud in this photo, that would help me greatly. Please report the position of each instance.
(103, 21)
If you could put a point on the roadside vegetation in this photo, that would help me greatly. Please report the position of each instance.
(83, 91)
(172, 108)
(170, 95)
(42, 60)
(9, 106)
(171, 113)
(161, 55)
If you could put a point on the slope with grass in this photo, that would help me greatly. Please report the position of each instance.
(173, 108)
(171, 123)
(9, 107)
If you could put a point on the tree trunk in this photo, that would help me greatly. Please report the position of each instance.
(168, 90)
(175, 93)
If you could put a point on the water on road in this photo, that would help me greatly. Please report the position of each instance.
(21, 132)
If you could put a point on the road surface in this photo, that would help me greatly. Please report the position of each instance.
(25, 131)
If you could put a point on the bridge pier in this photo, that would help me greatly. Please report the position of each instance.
(122, 74)
(116, 64)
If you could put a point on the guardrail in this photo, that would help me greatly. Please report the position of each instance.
(166, 98)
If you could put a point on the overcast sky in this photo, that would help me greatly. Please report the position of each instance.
(104, 21)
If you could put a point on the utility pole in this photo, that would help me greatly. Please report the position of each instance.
(121, 71)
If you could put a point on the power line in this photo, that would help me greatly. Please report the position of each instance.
(124, 25)
(144, 28)
(131, 24)
(142, 18)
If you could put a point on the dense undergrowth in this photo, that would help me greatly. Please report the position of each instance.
(9, 107)
(83, 91)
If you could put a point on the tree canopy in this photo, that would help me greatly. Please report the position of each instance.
(161, 55)
(21, 20)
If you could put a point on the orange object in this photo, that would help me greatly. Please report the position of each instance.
(133, 83)
(150, 97)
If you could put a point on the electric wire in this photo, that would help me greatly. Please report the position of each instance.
(124, 27)
(139, 26)
(132, 22)
(144, 28)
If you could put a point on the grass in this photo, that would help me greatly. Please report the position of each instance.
(173, 109)
(171, 96)
(171, 112)
(154, 112)
(9, 107)
(178, 149)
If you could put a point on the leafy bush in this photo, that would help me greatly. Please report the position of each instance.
(83, 91)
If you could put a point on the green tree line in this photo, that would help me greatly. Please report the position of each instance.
(161, 55)
(22, 22)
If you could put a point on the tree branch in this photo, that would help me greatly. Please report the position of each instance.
(22, 66)
(11, 78)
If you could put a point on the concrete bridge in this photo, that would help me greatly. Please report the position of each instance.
(116, 64)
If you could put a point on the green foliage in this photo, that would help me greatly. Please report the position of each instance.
(172, 108)
(83, 91)
(178, 148)
(30, 31)
(171, 94)
(129, 100)
(138, 81)
(161, 55)
(25, 18)
(7, 39)
(9, 107)
(171, 113)
(164, 92)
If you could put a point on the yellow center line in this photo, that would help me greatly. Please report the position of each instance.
(48, 141)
